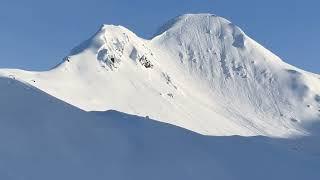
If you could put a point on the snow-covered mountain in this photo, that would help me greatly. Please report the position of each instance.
(200, 72)
(95, 115)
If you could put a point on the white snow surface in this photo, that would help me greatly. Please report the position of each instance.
(200, 100)
(206, 75)
(45, 138)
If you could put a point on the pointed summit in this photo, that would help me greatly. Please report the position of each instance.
(100, 37)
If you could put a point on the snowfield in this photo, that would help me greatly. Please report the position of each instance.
(200, 100)
(44, 138)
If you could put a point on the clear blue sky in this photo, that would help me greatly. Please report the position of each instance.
(37, 34)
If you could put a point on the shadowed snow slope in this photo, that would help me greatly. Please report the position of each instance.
(44, 138)
(200, 72)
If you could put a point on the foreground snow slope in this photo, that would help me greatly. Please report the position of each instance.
(200, 72)
(44, 138)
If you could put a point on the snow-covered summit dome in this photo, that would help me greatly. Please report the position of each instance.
(202, 23)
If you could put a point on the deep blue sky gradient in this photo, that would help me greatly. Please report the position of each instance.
(37, 34)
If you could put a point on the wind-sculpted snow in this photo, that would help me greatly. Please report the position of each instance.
(44, 138)
(200, 72)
